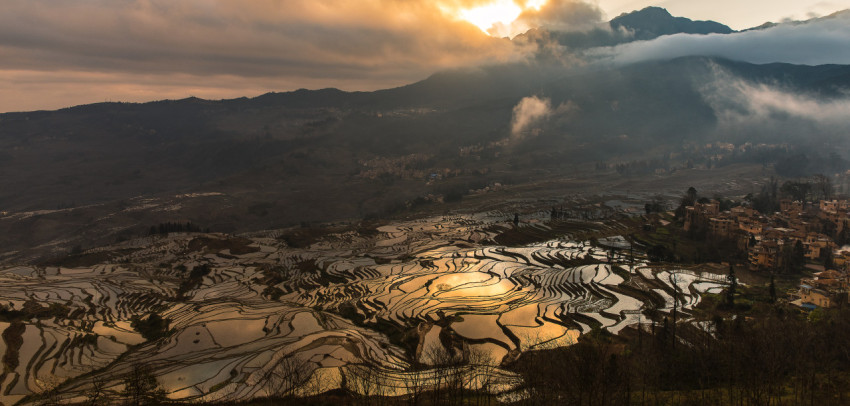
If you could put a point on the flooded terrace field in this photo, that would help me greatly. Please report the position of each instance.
(368, 312)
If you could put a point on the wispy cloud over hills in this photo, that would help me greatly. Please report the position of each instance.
(772, 110)
(821, 41)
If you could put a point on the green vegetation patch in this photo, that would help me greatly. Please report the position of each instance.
(152, 328)
(13, 337)
(32, 309)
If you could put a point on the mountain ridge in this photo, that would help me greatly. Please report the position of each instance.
(652, 22)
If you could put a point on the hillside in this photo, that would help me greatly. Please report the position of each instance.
(366, 153)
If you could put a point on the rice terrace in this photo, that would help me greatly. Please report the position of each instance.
(251, 317)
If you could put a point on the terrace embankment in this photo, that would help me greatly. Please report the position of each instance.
(245, 317)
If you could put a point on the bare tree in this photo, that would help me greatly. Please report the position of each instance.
(436, 354)
(95, 394)
(141, 387)
(449, 374)
(318, 383)
(414, 383)
(287, 375)
(367, 384)
(483, 365)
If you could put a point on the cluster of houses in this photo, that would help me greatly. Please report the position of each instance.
(826, 289)
(799, 233)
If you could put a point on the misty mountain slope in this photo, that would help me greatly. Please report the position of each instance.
(99, 172)
(821, 80)
(112, 151)
(640, 25)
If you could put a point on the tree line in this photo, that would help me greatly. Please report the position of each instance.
(779, 358)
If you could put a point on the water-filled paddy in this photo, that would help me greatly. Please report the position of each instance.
(443, 280)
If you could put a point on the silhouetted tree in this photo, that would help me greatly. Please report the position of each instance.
(767, 201)
(796, 190)
(141, 387)
(151, 328)
(822, 187)
(96, 394)
(688, 199)
(733, 287)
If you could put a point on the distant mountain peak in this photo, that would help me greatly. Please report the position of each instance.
(648, 11)
(641, 25)
(653, 22)
(845, 14)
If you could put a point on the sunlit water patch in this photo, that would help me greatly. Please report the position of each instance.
(324, 308)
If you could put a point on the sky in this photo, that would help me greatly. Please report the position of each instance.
(56, 53)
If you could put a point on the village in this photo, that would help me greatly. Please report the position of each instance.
(801, 235)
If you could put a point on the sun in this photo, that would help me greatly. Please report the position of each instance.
(484, 17)
(496, 12)
(535, 4)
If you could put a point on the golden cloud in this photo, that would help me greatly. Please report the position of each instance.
(261, 45)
